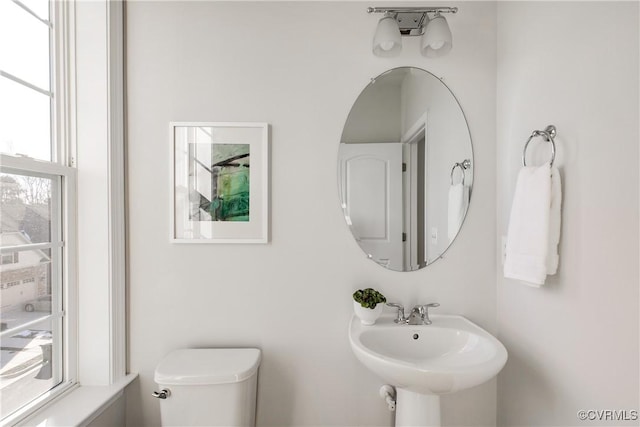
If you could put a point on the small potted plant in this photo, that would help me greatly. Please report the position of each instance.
(368, 304)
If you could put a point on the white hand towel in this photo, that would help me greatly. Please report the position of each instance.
(534, 226)
(458, 203)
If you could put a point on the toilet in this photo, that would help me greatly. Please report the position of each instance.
(208, 387)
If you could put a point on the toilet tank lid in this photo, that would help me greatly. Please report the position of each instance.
(202, 366)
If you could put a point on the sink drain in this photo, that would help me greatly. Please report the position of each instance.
(416, 336)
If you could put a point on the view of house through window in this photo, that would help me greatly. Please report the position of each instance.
(31, 208)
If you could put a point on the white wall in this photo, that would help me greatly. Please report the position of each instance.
(298, 66)
(573, 344)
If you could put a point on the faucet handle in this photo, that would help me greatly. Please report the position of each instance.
(400, 314)
(425, 313)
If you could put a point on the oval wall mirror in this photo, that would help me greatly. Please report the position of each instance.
(405, 169)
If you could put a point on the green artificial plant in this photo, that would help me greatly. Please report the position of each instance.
(368, 298)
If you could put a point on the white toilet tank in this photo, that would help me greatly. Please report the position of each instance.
(209, 387)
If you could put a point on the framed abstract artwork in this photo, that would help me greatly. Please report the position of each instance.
(220, 182)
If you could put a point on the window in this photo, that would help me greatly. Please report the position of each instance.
(10, 259)
(37, 193)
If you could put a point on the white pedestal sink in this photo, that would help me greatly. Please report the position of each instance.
(426, 361)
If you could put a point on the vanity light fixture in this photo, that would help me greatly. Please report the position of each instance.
(412, 21)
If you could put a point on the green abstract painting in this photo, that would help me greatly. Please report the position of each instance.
(219, 182)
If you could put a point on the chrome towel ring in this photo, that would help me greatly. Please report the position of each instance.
(466, 164)
(547, 134)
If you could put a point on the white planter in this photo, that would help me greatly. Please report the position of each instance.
(368, 316)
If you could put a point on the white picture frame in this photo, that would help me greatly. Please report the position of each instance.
(219, 182)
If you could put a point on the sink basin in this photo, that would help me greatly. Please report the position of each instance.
(449, 355)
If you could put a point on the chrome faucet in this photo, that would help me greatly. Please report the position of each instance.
(420, 314)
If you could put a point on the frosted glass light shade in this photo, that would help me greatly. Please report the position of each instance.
(436, 40)
(387, 40)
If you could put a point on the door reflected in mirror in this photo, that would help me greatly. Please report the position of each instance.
(405, 169)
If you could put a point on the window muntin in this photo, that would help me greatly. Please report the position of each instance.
(39, 7)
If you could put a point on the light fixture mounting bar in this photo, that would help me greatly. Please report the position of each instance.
(443, 9)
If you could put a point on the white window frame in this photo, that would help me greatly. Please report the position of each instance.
(65, 272)
(91, 39)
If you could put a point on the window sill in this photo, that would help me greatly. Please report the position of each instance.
(79, 406)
